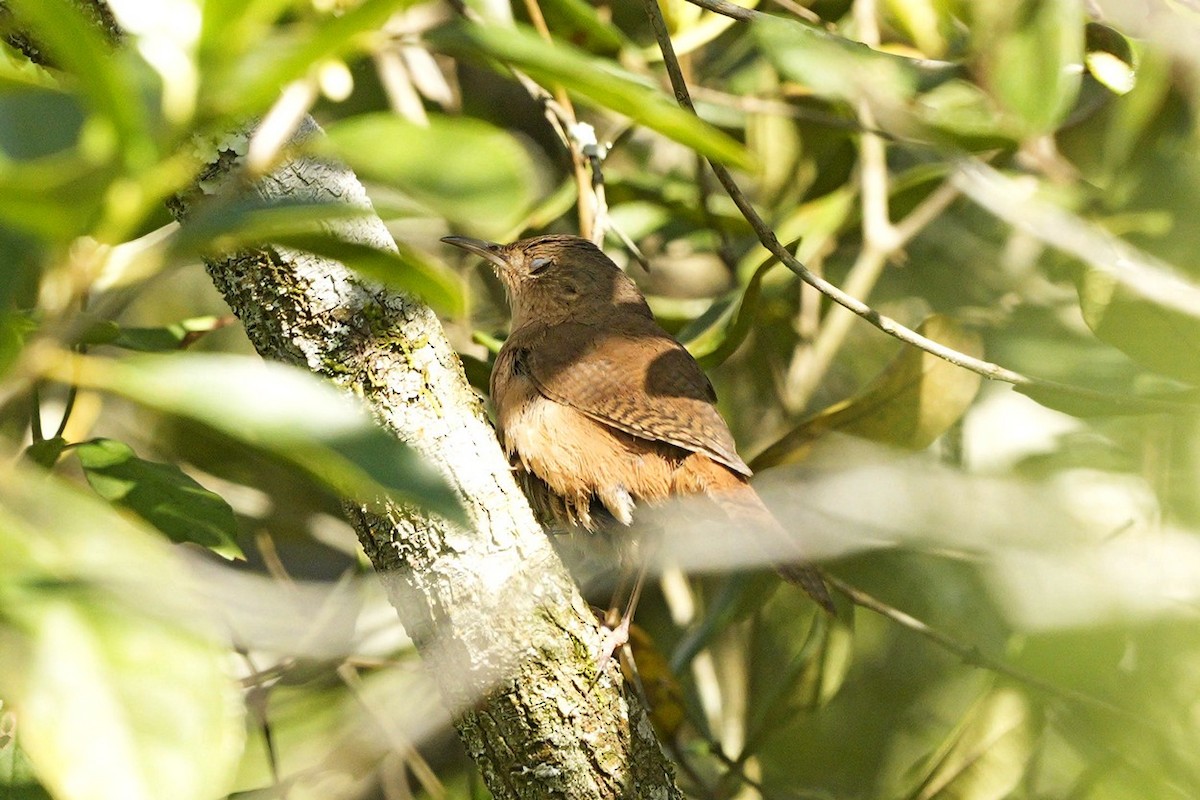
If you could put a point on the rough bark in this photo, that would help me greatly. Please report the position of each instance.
(492, 610)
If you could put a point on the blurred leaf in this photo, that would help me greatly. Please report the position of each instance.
(252, 83)
(100, 635)
(986, 756)
(284, 411)
(923, 21)
(245, 221)
(963, 111)
(600, 81)
(407, 270)
(836, 68)
(56, 197)
(250, 223)
(1030, 50)
(909, 404)
(487, 191)
(113, 80)
(46, 452)
(34, 124)
(161, 494)
(1120, 312)
(577, 21)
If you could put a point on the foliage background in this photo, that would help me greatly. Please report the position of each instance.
(1019, 176)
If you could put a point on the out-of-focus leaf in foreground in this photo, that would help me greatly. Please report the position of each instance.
(281, 410)
(249, 223)
(119, 693)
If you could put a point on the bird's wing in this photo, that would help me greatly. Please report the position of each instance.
(637, 379)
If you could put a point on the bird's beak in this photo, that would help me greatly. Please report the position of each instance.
(488, 250)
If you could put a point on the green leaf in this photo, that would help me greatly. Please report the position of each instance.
(486, 193)
(252, 83)
(577, 21)
(596, 80)
(1030, 53)
(407, 270)
(281, 410)
(161, 494)
(909, 404)
(986, 756)
(176, 336)
(837, 68)
(112, 80)
(247, 221)
(792, 673)
(56, 197)
(99, 632)
(1123, 313)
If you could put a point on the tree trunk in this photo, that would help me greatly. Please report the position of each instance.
(497, 618)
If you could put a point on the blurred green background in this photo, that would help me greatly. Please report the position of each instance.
(183, 612)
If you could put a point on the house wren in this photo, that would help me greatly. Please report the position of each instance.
(600, 408)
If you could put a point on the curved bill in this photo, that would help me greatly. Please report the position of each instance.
(488, 250)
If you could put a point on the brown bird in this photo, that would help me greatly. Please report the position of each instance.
(601, 409)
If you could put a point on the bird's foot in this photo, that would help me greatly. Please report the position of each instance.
(612, 640)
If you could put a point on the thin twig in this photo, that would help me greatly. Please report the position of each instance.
(884, 323)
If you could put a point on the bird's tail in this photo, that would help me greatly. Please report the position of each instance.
(742, 502)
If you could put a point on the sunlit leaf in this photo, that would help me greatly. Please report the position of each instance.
(909, 404)
(161, 494)
(599, 81)
(100, 631)
(486, 193)
(282, 410)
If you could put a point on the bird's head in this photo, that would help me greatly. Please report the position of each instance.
(557, 278)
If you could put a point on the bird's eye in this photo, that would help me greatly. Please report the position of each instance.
(540, 265)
